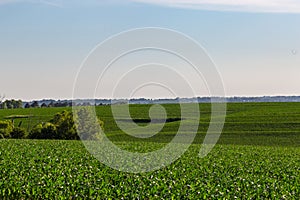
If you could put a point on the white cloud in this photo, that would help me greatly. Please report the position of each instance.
(277, 6)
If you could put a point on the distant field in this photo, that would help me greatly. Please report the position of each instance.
(273, 123)
(257, 157)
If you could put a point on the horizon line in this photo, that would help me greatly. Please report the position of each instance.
(153, 99)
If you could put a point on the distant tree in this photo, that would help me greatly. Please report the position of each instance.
(51, 104)
(11, 104)
(44, 105)
(35, 104)
(57, 104)
(4, 106)
(61, 104)
(64, 104)
(19, 104)
(8, 104)
(27, 105)
(86, 104)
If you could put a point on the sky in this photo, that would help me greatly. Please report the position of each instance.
(255, 45)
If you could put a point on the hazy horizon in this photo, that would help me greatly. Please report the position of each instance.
(161, 98)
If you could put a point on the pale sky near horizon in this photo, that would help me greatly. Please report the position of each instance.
(255, 44)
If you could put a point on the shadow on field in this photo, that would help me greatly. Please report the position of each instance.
(146, 121)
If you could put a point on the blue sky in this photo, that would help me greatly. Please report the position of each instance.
(255, 45)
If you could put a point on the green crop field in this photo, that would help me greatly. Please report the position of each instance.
(257, 157)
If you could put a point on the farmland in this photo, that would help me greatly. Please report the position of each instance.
(257, 156)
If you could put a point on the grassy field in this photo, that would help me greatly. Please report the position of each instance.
(273, 123)
(257, 156)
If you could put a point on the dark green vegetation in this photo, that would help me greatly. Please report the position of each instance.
(10, 104)
(257, 156)
(61, 127)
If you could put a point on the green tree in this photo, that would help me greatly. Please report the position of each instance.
(4, 106)
(11, 104)
(65, 125)
(8, 104)
(36, 132)
(6, 127)
(18, 104)
(89, 127)
(44, 131)
(18, 133)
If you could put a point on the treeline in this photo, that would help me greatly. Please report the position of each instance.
(11, 104)
(35, 104)
(55, 104)
(14, 104)
(63, 126)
